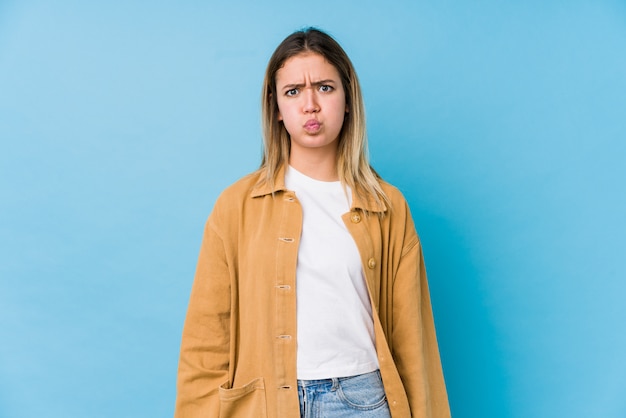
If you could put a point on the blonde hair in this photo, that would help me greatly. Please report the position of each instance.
(353, 161)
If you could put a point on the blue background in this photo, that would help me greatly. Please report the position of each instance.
(504, 123)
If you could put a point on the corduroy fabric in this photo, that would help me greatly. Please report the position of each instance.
(238, 351)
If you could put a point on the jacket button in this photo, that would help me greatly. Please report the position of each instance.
(355, 218)
(371, 263)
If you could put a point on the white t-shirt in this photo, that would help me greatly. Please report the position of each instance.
(335, 327)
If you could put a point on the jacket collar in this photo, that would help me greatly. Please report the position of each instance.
(264, 188)
(367, 205)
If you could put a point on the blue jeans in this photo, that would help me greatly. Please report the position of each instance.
(361, 396)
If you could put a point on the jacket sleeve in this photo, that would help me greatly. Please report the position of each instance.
(204, 353)
(415, 347)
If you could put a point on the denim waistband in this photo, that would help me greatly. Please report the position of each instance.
(332, 380)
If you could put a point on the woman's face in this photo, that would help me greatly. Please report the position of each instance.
(311, 102)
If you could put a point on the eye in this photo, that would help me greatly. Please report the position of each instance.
(291, 92)
(324, 88)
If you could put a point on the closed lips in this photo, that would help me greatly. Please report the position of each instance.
(312, 124)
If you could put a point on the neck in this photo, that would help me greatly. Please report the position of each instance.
(319, 166)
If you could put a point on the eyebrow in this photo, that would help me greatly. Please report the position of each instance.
(317, 83)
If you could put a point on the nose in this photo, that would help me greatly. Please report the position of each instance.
(310, 101)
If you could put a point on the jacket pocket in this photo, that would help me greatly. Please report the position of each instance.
(247, 401)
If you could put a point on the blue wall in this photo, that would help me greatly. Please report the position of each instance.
(503, 124)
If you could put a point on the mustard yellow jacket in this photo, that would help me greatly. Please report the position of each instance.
(238, 351)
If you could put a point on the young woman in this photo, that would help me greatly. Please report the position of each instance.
(310, 297)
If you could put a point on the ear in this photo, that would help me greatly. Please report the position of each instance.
(347, 109)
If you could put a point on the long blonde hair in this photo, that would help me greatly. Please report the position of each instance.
(353, 161)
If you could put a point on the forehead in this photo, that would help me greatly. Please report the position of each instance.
(308, 66)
